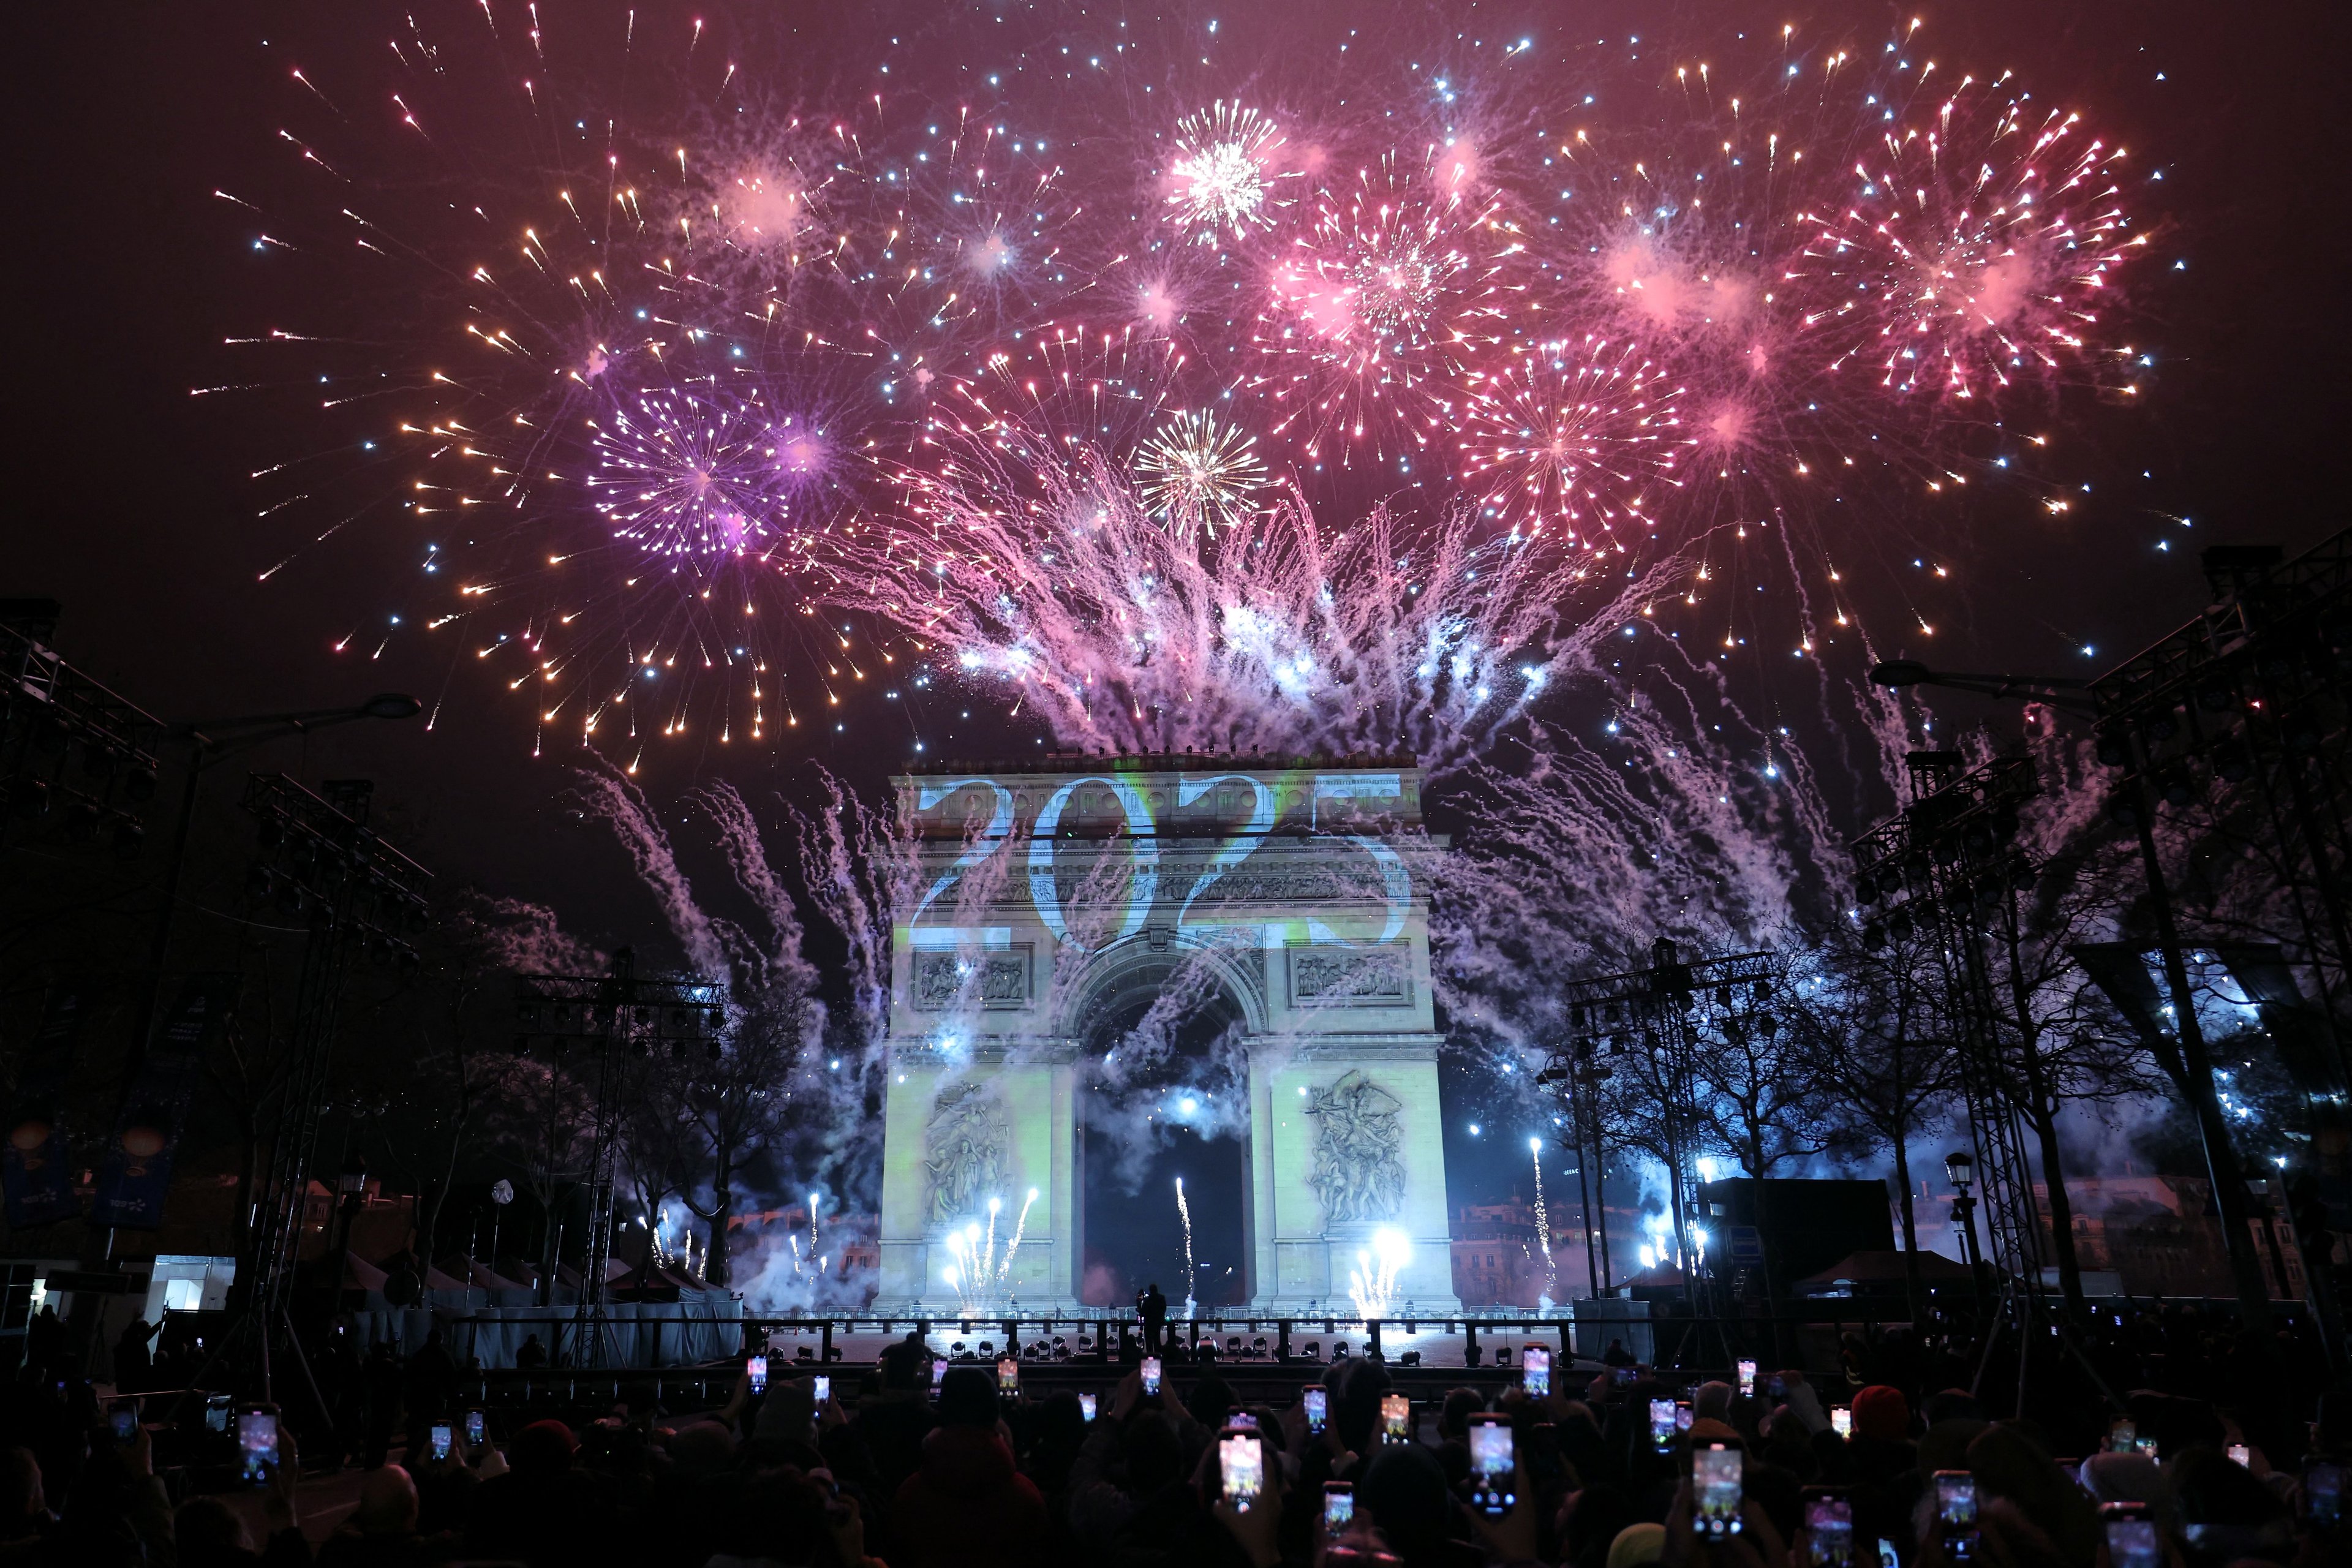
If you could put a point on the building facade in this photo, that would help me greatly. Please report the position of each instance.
(1051, 902)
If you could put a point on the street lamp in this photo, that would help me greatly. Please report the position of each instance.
(1960, 1170)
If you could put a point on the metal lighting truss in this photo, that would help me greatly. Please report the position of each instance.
(1946, 866)
(619, 1011)
(1664, 1011)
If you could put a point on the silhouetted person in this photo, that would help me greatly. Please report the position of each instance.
(1152, 1307)
(130, 1361)
(531, 1355)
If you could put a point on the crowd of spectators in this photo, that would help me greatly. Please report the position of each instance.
(914, 1464)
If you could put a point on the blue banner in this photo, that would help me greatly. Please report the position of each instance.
(137, 1172)
(36, 1164)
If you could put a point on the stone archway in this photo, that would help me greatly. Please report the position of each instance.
(1287, 894)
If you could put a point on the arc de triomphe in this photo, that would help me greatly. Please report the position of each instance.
(1049, 901)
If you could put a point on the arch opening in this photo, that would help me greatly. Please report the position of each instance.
(1164, 1097)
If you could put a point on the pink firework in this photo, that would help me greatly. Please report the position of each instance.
(1974, 253)
(1376, 311)
(1578, 439)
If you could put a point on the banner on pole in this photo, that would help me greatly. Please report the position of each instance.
(36, 1164)
(137, 1171)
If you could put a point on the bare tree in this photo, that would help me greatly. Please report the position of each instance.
(735, 1106)
(2059, 1042)
(1876, 1023)
(547, 1129)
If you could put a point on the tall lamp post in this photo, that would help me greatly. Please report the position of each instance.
(1960, 1169)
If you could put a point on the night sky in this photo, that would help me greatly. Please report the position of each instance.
(132, 502)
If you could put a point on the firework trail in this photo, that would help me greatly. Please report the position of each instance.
(1543, 1221)
(1372, 1283)
(1184, 1213)
(1117, 628)
(981, 1275)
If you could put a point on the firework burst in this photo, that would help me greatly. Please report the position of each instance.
(1375, 313)
(1195, 471)
(1221, 181)
(1576, 438)
(1975, 250)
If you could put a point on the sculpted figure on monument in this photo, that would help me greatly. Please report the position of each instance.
(1358, 1170)
(963, 1151)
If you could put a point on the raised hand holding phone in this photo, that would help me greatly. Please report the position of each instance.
(1716, 1473)
(1828, 1529)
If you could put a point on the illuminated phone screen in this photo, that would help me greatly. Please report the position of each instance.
(1241, 1465)
(1829, 1532)
(256, 1446)
(1396, 1414)
(1956, 1499)
(1715, 1487)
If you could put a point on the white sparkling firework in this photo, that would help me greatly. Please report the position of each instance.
(1196, 470)
(1222, 185)
(980, 1276)
(1372, 1283)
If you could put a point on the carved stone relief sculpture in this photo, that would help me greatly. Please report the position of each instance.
(965, 1152)
(1358, 1167)
(1376, 977)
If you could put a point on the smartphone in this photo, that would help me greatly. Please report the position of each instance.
(2132, 1538)
(1714, 1488)
(1842, 1420)
(1319, 1409)
(1086, 1405)
(2322, 1492)
(824, 1388)
(217, 1408)
(1662, 1424)
(1535, 1370)
(1492, 1465)
(256, 1446)
(1829, 1528)
(478, 1427)
(122, 1421)
(1747, 1377)
(757, 1370)
(1338, 1506)
(1956, 1513)
(1777, 1386)
(1008, 1376)
(441, 1439)
(1151, 1377)
(1396, 1418)
(2123, 1436)
(1887, 1556)
(1240, 1420)
(2241, 1455)
(1241, 1465)
(1621, 1375)
(1683, 1416)
(938, 1374)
